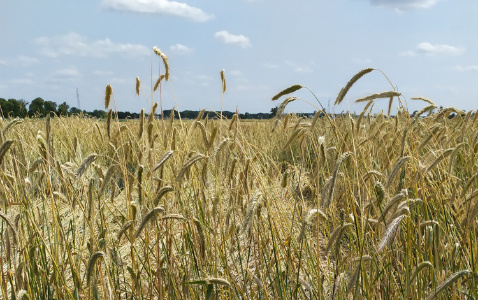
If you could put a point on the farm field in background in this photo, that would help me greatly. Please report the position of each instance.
(289, 208)
(364, 207)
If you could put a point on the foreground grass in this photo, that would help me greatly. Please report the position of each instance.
(376, 207)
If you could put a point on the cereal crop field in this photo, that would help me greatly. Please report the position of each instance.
(368, 206)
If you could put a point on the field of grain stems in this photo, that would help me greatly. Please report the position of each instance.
(366, 207)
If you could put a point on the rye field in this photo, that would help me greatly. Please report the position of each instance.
(367, 206)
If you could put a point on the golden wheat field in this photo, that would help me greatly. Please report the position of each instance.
(365, 207)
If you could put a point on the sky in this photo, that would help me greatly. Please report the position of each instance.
(426, 48)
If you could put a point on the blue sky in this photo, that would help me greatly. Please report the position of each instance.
(427, 48)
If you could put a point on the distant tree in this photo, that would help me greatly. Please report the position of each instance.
(50, 107)
(21, 108)
(98, 114)
(63, 109)
(6, 107)
(273, 111)
(13, 108)
(74, 111)
(37, 108)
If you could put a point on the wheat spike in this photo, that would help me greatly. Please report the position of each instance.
(141, 124)
(420, 267)
(173, 217)
(307, 221)
(165, 157)
(4, 148)
(149, 216)
(439, 158)
(395, 200)
(223, 79)
(11, 124)
(251, 210)
(447, 111)
(349, 84)
(390, 233)
(91, 264)
(123, 229)
(163, 191)
(85, 164)
(389, 94)
(395, 169)
(287, 91)
(156, 85)
(336, 236)
(188, 164)
(153, 112)
(138, 84)
(108, 92)
(164, 57)
(281, 108)
(449, 281)
(424, 99)
(328, 190)
(109, 174)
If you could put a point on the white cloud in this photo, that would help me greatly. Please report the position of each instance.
(467, 68)
(299, 68)
(437, 49)
(160, 7)
(68, 73)
(228, 38)
(405, 4)
(3, 62)
(22, 81)
(181, 49)
(430, 49)
(76, 44)
(27, 61)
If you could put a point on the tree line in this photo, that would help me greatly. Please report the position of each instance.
(13, 108)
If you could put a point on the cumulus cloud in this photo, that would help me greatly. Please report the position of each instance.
(436, 49)
(181, 49)
(405, 4)
(228, 38)
(76, 44)
(159, 7)
(431, 49)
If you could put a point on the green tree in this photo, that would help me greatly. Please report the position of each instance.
(74, 111)
(273, 111)
(18, 108)
(98, 114)
(6, 107)
(63, 109)
(37, 108)
(50, 107)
